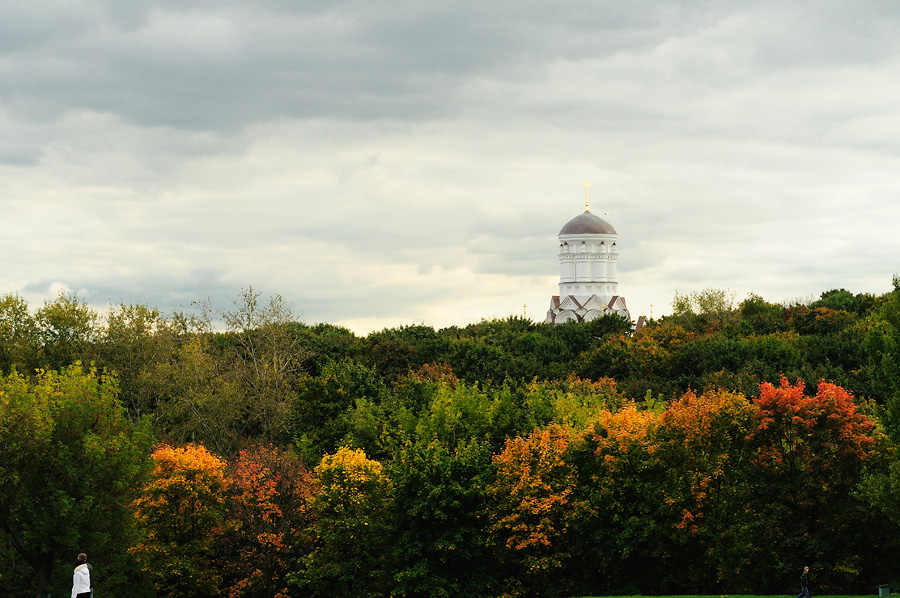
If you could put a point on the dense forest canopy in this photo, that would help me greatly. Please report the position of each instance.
(717, 449)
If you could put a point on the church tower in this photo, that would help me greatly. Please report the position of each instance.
(588, 284)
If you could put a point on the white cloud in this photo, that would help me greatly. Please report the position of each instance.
(384, 167)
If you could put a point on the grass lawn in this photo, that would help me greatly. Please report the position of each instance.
(874, 593)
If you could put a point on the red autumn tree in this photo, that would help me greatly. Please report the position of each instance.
(810, 446)
(266, 515)
(809, 454)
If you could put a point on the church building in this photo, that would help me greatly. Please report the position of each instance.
(588, 285)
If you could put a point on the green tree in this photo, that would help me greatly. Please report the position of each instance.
(459, 412)
(399, 351)
(322, 411)
(816, 321)
(571, 401)
(574, 336)
(439, 498)
(697, 311)
(702, 446)
(265, 358)
(615, 358)
(761, 317)
(326, 343)
(642, 363)
(67, 329)
(837, 299)
(197, 404)
(883, 349)
(844, 300)
(721, 360)
(475, 360)
(609, 324)
(70, 461)
(18, 335)
(879, 488)
(133, 341)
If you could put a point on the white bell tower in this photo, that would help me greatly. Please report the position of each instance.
(588, 283)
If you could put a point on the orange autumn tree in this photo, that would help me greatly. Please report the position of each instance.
(618, 486)
(178, 515)
(702, 445)
(530, 510)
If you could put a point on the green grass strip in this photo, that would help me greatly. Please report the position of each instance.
(874, 593)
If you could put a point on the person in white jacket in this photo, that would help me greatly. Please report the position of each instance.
(81, 582)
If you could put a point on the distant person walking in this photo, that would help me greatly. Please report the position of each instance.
(81, 578)
(804, 584)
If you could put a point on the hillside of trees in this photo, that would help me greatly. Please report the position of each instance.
(716, 450)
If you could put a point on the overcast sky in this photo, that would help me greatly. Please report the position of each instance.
(388, 163)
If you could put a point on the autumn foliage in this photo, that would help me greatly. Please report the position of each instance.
(179, 514)
(268, 511)
(350, 533)
(705, 493)
(530, 509)
(504, 458)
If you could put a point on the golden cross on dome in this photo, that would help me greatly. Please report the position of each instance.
(586, 185)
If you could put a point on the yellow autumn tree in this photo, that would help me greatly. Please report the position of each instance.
(350, 537)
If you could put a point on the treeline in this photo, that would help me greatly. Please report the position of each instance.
(502, 458)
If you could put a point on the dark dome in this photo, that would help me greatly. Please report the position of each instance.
(587, 224)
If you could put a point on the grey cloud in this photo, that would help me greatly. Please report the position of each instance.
(812, 34)
(228, 67)
(218, 66)
(377, 161)
(15, 154)
(167, 294)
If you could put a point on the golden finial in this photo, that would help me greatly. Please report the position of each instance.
(586, 185)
